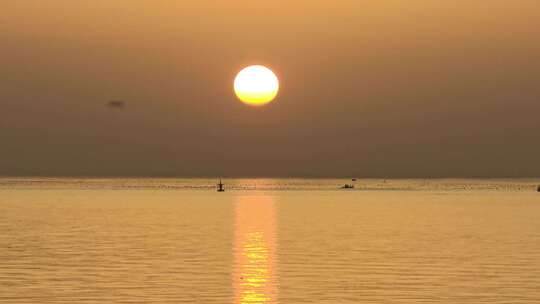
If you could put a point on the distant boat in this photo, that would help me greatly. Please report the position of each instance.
(347, 186)
(354, 179)
(220, 186)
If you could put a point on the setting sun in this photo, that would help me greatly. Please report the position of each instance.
(256, 85)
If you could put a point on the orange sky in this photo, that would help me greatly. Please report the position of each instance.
(368, 88)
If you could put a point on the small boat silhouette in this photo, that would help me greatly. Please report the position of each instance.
(347, 186)
(220, 186)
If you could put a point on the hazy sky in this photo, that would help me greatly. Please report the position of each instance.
(369, 88)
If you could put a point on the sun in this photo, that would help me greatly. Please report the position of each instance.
(256, 85)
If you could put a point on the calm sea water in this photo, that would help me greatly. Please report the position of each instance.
(269, 241)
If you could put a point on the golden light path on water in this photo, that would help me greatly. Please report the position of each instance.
(255, 275)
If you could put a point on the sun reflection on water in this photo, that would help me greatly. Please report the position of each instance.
(255, 250)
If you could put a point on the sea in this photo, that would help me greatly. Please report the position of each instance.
(121, 240)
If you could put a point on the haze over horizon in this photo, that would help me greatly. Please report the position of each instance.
(368, 89)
